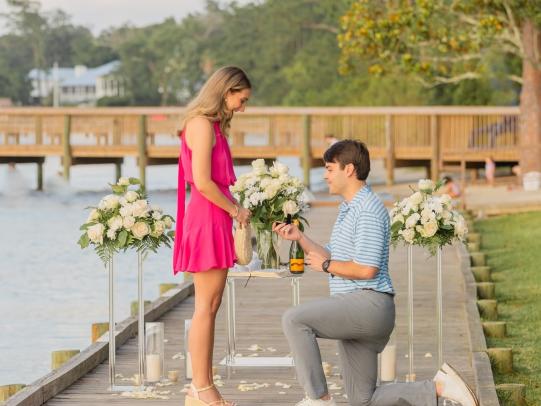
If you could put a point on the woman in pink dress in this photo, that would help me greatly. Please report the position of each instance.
(204, 229)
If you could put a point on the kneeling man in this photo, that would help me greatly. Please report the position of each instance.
(360, 313)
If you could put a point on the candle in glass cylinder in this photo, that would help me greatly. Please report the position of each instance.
(154, 367)
(388, 363)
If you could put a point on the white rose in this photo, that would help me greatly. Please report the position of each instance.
(109, 202)
(123, 181)
(111, 234)
(156, 215)
(265, 182)
(155, 207)
(123, 201)
(290, 207)
(140, 229)
(258, 163)
(426, 185)
(159, 228)
(408, 235)
(127, 210)
(168, 222)
(429, 229)
(446, 200)
(397, 218)
(460, 228)
(131, 196)
(412, 220)
(94, 215)
(271, 191)
(415, 199)
(446, 215)
(95, 233)
(128, 222)
(140, 208)
(115, 223)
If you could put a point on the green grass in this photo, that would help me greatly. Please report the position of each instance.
(513, 247)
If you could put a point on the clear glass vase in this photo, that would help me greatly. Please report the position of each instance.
(267, 249)
(155, 351)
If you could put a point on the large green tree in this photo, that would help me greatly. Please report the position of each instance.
(442, 41)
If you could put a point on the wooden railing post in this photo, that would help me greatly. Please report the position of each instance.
(66, 147)
(389, 150)
(435, 145)
(142, 148)
(39, 129)
(306, 150)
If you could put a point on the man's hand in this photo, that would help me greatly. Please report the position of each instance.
(315, 261)
(287, 231)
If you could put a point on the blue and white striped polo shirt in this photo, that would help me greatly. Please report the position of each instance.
(361, 234)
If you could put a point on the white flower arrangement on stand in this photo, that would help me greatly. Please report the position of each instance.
(123, 220)
(428, 220)
(271, 194)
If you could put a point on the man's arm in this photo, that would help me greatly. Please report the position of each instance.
(310, 246)
(344, 269)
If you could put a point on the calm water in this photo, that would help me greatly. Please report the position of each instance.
(51, 291)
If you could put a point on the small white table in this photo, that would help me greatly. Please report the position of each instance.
(231, 360)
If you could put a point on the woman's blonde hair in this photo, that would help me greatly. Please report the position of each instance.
(210, 101)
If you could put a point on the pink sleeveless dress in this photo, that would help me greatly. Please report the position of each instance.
(204, 231)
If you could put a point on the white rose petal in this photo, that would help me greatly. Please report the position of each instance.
(123, 181)
(415, 199)
(128, 222)
(408, 235)
(290, 207)
(94, 215)
(115, 223)
(127, 210)
(168, 222)
(429, 229)
(111, 234)
(131, 196)
(426, 185)
(140, 230)
(95, 233)
(412, 220)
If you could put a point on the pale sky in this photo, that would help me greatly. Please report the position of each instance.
(100, 14)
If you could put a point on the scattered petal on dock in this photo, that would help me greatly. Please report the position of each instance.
(255, 347)
(254, 355)
(252, 386)
(281, 393)
(178, 355)
(271, 349)
(428, 355)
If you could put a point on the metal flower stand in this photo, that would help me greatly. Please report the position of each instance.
(141, 336)
(439, 310)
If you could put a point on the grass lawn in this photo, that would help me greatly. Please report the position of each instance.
(513, 247)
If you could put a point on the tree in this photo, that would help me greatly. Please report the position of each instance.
(442, 41)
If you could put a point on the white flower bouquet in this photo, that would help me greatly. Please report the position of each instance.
(427, 219)
(125, 220)
(271, 194)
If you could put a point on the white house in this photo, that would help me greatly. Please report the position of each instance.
(77, 86)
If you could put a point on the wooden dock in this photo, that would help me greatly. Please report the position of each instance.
(259, 309)
(438, 138)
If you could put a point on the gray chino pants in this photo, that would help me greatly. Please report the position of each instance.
(362, 322)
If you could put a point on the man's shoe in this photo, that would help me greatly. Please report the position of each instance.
(316, 402)
(454, 386)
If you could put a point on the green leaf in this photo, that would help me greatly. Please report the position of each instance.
(84, 241)
(397, 225)
(86, 225)
(123, 238)
(171, 234)
(118, 189)
(135, 181)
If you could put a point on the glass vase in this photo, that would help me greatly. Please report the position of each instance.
(267, 249)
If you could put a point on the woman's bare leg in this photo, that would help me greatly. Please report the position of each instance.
(209, 287)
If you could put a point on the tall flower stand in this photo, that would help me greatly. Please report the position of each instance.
(439, 310)
(113, 387)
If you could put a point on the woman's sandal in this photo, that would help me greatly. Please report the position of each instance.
(194, 400)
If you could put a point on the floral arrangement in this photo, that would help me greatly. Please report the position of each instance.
(271, 194)
(427, 219)
(124, 219)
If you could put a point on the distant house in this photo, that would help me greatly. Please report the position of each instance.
(77, 86)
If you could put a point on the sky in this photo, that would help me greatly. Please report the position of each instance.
(100, 14)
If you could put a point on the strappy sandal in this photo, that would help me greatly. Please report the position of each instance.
(195, 401)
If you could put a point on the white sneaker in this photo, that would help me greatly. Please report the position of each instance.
(316, 402)
(454, 386)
